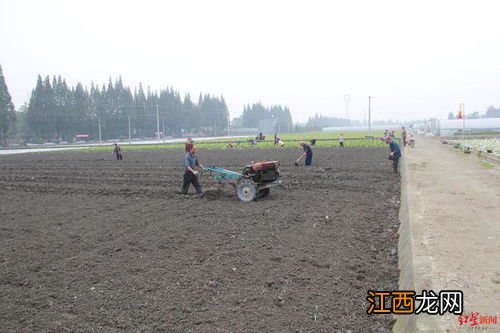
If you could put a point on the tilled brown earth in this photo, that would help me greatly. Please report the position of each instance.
(91, 244)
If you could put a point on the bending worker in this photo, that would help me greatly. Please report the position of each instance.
(308, 153)
(395, 154)
(190, 174)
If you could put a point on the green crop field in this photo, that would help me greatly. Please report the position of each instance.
(329, 135)
(291, 140)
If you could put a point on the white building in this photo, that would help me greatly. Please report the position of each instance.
(449, 127)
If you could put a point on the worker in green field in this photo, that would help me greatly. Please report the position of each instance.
(190, 174)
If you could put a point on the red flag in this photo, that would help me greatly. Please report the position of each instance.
(460, 115)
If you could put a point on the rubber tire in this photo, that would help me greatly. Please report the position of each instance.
(246, 190)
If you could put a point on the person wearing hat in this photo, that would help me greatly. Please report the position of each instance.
(395, 154)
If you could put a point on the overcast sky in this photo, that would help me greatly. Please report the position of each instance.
(418, 59)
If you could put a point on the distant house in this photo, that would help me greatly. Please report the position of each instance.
(449, 127)
(81, 137)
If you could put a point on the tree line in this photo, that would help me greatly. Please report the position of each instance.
(319, 121)
(276, 117)
(56, 111)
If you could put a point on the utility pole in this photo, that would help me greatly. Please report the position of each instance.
(462, 109)
(369, 113)
(99, 123)
(163, 127)
(129, 131)
(157, 121)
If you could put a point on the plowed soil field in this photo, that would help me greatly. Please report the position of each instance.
(90, 244)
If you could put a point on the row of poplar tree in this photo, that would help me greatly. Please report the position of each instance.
(58, 112)
(280, 117)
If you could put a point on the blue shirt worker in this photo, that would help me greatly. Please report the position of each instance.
(308, 153)
(395, 154)
(190, 174)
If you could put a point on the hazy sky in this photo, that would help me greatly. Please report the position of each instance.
(418, 59)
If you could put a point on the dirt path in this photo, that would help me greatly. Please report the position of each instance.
(90, 244)
(454, 204)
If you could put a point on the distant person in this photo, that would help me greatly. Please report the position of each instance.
(117, 151)
(190, 174)
(276, 139)
(281, 143)
(313, 142)
(308, 153)
(403, 135)
(395, 153)
(411, 140)
(341, 140)
(188, 145)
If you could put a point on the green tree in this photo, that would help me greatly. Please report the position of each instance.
(279, 115)
(141, 123)
(42, 111)
(7, 111)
